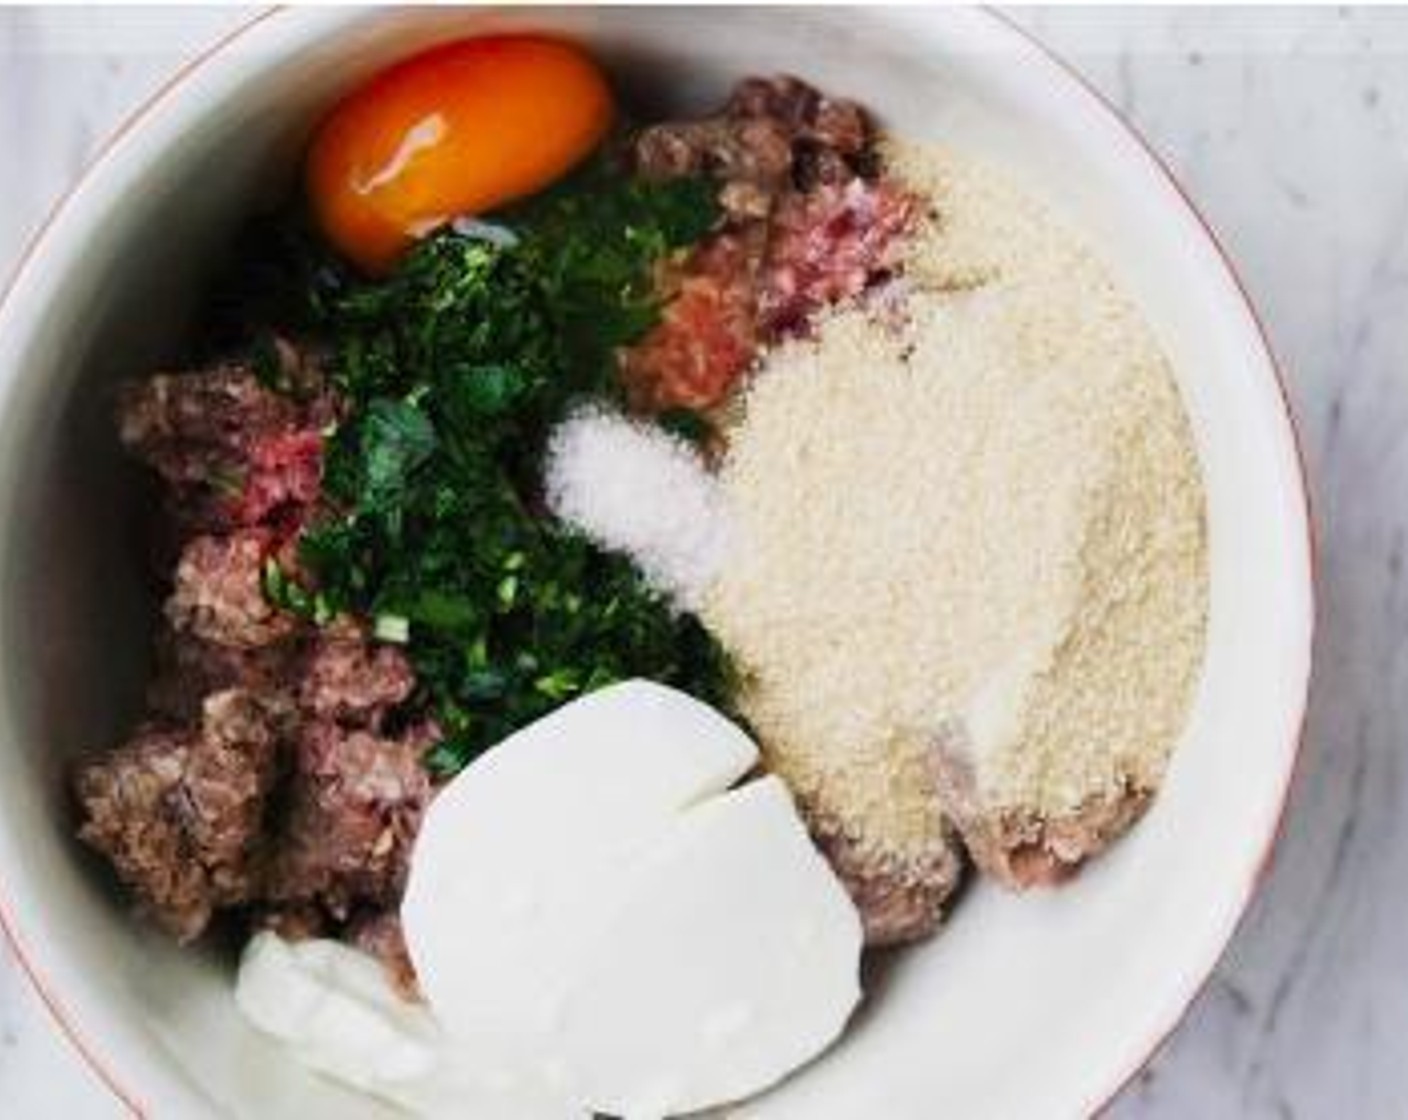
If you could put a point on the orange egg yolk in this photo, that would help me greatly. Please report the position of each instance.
(458, 130)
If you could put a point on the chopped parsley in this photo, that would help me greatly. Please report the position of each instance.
(455, 369)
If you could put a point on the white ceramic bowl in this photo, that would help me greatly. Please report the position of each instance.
(1038, 1006)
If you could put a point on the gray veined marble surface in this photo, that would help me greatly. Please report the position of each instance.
(1290, 129)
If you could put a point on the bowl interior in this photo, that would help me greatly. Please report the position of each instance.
(1076, 985)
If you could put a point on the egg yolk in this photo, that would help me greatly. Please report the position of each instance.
(458, 130)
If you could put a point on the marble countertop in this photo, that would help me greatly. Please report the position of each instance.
(1290, 129)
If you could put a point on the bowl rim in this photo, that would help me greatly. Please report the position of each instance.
(118, 1085)
(1262, 870)
(104, 1069)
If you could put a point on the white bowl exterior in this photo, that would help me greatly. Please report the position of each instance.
(1033, 1006)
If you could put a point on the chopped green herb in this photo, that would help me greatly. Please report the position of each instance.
(392, 628)
(455, 368)
(288, 594)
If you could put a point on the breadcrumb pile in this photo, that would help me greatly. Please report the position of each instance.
(984, 525)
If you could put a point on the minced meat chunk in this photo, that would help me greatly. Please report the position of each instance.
(708, 332)
(235, 450)
(219, 592)
(353, 806)
(1021, 847)
(809, 115)
(899, 900)
(347, 679)
(179, 813)
(831, 138)
(830, 245)
(189, 669)
(197, 427)
(808, 223)
(282, 471)
(774, 134)
(752, 157)
(275, 775)
(746, 287)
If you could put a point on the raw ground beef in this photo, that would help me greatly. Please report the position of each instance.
(235, 450)
(284, 469)
(346, 678)
(899, 899)
(709, 331)
(773, 134)
(278, 772)
(219, 592)
(179, 812)
(830, 245)
(353, 806)
(1023, 848)
(195, 428)
(189, 669)
(809, 223)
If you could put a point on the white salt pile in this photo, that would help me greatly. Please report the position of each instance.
(634, 488)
